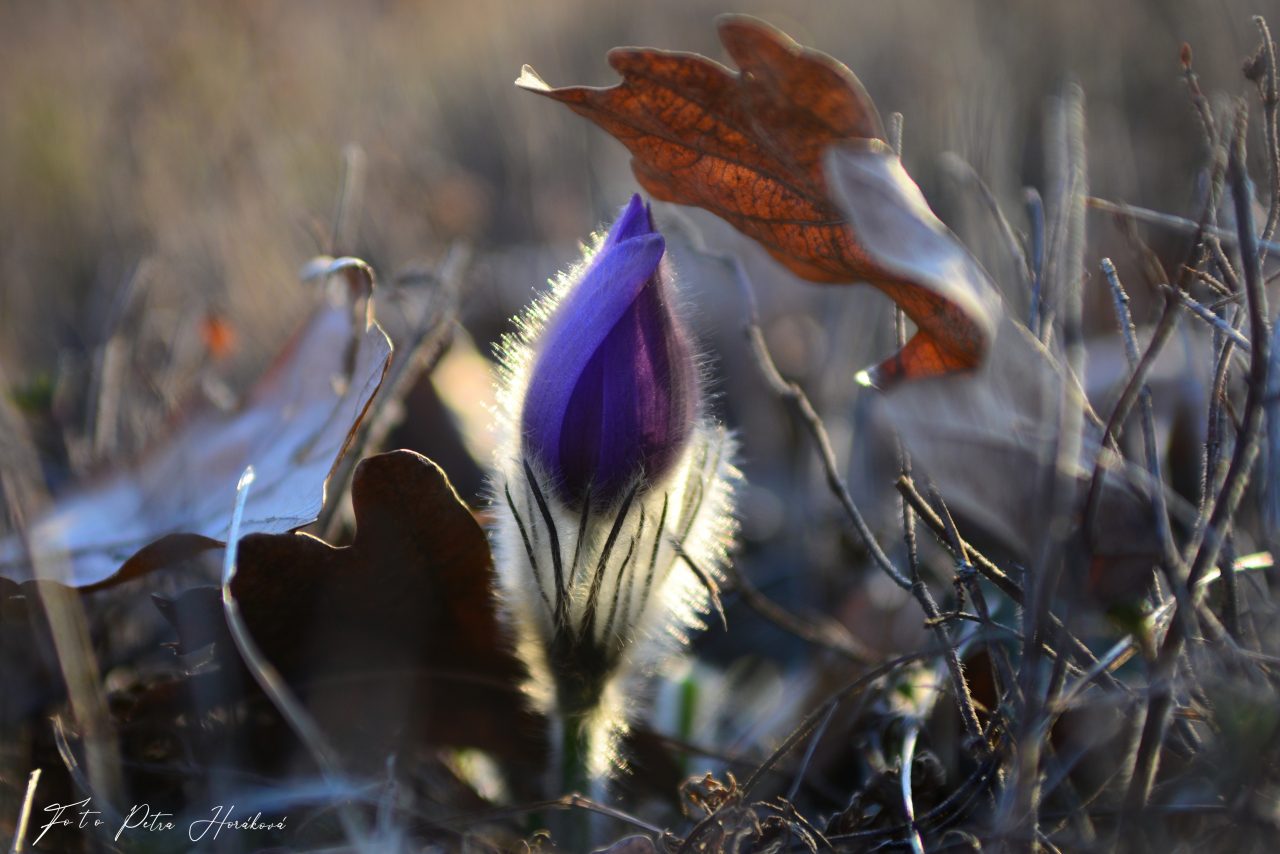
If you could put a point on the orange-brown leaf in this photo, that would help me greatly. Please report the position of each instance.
(749, 147)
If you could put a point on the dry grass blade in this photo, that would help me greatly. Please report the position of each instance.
(1013, 244)
(428, 314)
(77, 662)
(1021, 809)
(814, 719)
(908, 804)
(24, 814)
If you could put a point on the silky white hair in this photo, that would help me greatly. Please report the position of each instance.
(616, 589)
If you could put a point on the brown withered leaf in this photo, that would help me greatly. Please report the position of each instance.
(749, 147)
(294, 427)
(402, 621)
(901, 234)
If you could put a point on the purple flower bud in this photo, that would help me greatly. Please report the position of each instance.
(613, 392)
(613, 491)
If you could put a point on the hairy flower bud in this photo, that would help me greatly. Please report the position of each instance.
(612, 487)
(613, 391)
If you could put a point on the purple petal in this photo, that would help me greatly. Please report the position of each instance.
(613, 391)
(635, 221)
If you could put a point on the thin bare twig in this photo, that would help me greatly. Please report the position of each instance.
(809, 751)
(967, 582)
(1260, 337)
(956, 669)
(1268, 80)
(1232, 490)
(1176, 223)
(1218, 323)
(1076, 649)
(1151, 452)
(1035, 213)
(964, 170)
(792, 394)
(1129, 396)
(815, 629)
(1198, 100)
(921, 591)
(565, 802)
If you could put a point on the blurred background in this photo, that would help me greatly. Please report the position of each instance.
(165, 169)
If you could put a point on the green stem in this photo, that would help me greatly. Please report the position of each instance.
(574, 751)
(573, 831)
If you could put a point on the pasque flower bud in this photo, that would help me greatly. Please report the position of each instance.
(612, 486)
(612, 395)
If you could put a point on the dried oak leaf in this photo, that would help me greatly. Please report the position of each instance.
(294, 427)
(749, 147)
(402, 619)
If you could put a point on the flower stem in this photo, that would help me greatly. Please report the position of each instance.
(574, 776)
(573, 830)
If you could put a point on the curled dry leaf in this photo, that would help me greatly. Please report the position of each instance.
(749, 147)
(403, 618)
(294, 427)
(988, 439)
(901, 234)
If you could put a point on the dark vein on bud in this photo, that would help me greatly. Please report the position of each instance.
(712, 590)
(617, 587)
(623, 576)
(692, 495)
(594, 595)
(533, 529)
(528, 546)
(582, 533)
(653, 558)
(561, 595)
(694, 505)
